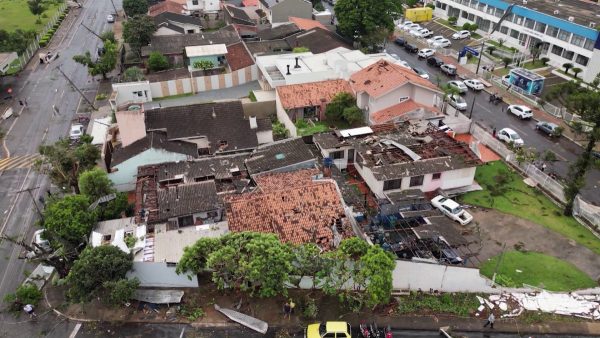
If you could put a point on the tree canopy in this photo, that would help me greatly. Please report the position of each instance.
(68, 219)
(135, 7)
(361, 18)
(36, 7)
(157, 61)
(132, 74)
(95, 183)
(138, 30)
(104, 64)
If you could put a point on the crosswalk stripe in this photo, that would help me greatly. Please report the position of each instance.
(24, 161)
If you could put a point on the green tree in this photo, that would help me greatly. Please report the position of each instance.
(466, 26)
(204, 65)
(279, 130)
(545, 60)
(307, 261)
(194, 257)
(449, 91)
(94, 268)
(353, 115)
(535, 52)
(115, 208)
(132, 74)
(354, 247)
(135, 7)
(95, 183)
(491, 49)
(452, 20)
(120, 291)
(359, 18)
(506, 61)
(472, 27)
(68, 219)
(108, 36)
(138, 31)
(63, 163)
(567, 66)
(25, 294)
(341, 101)
(377, 267)
(36, 7)
(105, 64)
(576, 70)
(319, 7)
(501, 42)
(157, 61)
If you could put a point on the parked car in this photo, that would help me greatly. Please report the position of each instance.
(457, 102)
(110, 18)
(425, 53)
(76, 131)
(452, 209)
(549, 128)
(422, 73)
(434, 39)
(395, 56)
(434, 61)
(522, 112)
(404, 24)
(328, 329)
(410, 48)
(448, 69)
(474, 84)
(459, 85)
(400, 41)
(508, 135)
(506, 80)
(412, 26)
(404, 64)
(422, 33)
(461, 35)
(443, 43)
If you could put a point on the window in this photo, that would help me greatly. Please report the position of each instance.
(589, 44)
(518, 19)
(552, 31)
(557, 50)
(464, 14)
(514, 34)
(171, 264)
(195, 2)
(504, 30)
(336, 155)
(392, 184)
(564, 35)
(416, 181)
(491, 10)
(481, 7)
(499, 13)
(577, 40)
(529, 23)
(567, 54)
(540, 27)
(436, 176)
(185, 221)
(582, 60)
(471, 17)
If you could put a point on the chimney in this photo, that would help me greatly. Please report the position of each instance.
(297, 65)
(253, 123)
(288, 72)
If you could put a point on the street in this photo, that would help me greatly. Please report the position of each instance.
(43, 87)
(494, 116)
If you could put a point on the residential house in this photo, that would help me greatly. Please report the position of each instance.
(167, 6)
(276, 11)
(281, 156)
(296, 206)
(274, 32)
(240, 15)
(267, 47)
(306, 101)
(196, 7)
(168, 23)
(238, 57)
(122, 162)
(213, 55)
(318, 40)
(306, 24)
(130, 92)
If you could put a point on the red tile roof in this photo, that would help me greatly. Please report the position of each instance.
(382, 77)
(390, 113)
(238, 56)
(291, 205)
(485, 153)
(306, 24)
(311, 94)
(165, 6)
(249, 3)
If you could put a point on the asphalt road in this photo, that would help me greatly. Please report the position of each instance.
(493, 116)
(43, 87)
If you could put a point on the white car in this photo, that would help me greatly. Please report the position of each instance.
(522, 112)
(405, 23)
(76, 131)
(459, 85)
(510, 136)
(435, 39)
(110, 18)
(461, 35)
(425, 33)
(422, 73)
(404, 64)
(457, 102)
(452, 209)
(425, 53)
(41, 243)
(412, 26)
(443, 43)
(506, 80)
(474, 84)
(395, 56)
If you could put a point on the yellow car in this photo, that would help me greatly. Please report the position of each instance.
(328, 330)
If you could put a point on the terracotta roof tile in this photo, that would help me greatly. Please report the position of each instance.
(238, 56)
(306, 24)
(165, 6)
(249, 3)
(311, 94)
(398, 110)
(383, 76)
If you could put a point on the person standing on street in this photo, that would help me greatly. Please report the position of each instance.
(490, 321)
(30, 311)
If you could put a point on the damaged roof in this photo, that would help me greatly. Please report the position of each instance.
(186, 199)
(311, 94)
(153, 140)
(279, 155)
(219, 167)
(175, 44)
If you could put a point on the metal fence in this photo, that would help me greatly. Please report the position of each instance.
(588, 212)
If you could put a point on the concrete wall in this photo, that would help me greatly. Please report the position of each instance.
(158, 274)
(286, 8)
(340, 163)
(367, 175)
(458, 178)
(283, 117)
(264, 137)
(263, 109)
(130, 92)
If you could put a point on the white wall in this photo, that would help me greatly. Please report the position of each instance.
(283, 117)
(340, 163)
(366, 174)
(416, 275)
(265, 136)
(127, 92)
(458, 178)
(389, 99)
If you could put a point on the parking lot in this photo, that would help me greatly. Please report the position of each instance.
(439, 29)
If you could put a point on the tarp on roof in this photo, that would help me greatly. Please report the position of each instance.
(158, 296)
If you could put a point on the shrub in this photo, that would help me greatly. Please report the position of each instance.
(251, 96)
(452, 19)
(310, 310)
(157, 62)
(545, 60)
(319, 7)
(25, 294)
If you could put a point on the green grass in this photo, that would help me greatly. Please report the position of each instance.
(517, 198)
(14, 67)
(533, 64)
(447, 24)
(460, 304)
(503, 47)
(537, 270)
(16, 15)
(305, 128)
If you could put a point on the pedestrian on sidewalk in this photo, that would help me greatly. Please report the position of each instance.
(543, 167)
(490, 321)
(494, 132)
(30, 310)
(287, 310)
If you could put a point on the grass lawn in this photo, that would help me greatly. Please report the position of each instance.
(447, 24)
(533, 64)
(503, 47)
(461, 304)
(516, 198)
(502, 71)
(14, 67)
(16, 14)
(306, 128)
(538, 270)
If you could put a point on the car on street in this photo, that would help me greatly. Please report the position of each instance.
(461, 35)
(425, 53)
(458, 85)
(434, 39)
(434, 61)
(412, 26)
(508, 135)
(110, 18)
(395, 56)
(421, 72)
(549, 128)
(400, 41)
(522, 112)
(328, 329)
(76, 131)
(448, 69)
(451, 209)
(457, 102)
(474, 84)
(442, 43)
(409, 47)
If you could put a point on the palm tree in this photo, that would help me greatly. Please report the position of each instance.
(576, 70)
(567, 66)
(491, 49)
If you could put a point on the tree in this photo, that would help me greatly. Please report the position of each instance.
(135, 7)
(69, 220)
(157, 61)
(25, 294)
(449, 91)
(279, 130)
(535, 52)
(95, 183)
(132, 74)
(501, 42)
(204, 65)
(491, 49)
(376, 271)
(567, 66)
(506, 61)
(307, 261)
(466, 26)
(63, 163)
(108, 36)
(545, 60)
(353, 115)
(16, 41)
(576, 70)
(105, 64)
(194, 257)
(452, 20)
(115, 208)
(36, 7)
(341, 101)
(354, 247)
(319, 7)
(472, 27)
(359, 18)
(95, 267)
(120, 291)
(138, 31)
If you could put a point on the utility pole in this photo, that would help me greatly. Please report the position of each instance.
(496, 26)
(32, 200)
(472, 105)
(77, 89)
(116, 12)
(91, 31)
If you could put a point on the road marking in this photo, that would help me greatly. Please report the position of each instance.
(8, 132)
(25, 161)
(75, 330)
(10, 210)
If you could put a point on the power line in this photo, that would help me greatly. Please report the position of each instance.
(77, 89)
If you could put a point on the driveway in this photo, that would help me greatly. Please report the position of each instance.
(492, 228)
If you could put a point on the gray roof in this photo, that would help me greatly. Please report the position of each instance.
(187, 199)
(238, 13)
(583, 12)
(317, 40)
(159, 296)
(175, 44)
(267, 47)
(417, 168)
(153, 140)
(158, 274)
(218, 166)
(329, 141)
(221, 121)
(179, 18)
(270, 3)
(279, 155)
(277, 32)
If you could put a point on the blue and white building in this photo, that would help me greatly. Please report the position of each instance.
(565, 30)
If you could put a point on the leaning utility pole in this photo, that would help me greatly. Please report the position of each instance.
(507, 12)
(32, 200)
(116, 11)
(91, 31)
(77, 89)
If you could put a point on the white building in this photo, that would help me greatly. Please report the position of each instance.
(203, 6)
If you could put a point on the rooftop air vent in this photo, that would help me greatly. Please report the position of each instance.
(571, 19)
